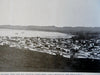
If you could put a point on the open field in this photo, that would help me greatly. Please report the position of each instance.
(12, 59)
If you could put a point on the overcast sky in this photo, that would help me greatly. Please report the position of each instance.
(50, 12)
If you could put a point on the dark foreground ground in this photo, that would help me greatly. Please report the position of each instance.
(12, 60)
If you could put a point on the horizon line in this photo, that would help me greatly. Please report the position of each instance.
(48, 25)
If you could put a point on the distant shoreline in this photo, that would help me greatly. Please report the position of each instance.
(53, 28)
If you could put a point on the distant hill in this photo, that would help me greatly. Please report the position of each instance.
(53, 28)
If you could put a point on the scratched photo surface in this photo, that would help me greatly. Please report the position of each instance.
(50, 36)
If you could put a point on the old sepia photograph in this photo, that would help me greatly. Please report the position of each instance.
(50, 36)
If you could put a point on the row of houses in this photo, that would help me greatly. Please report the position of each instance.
(56, 46)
